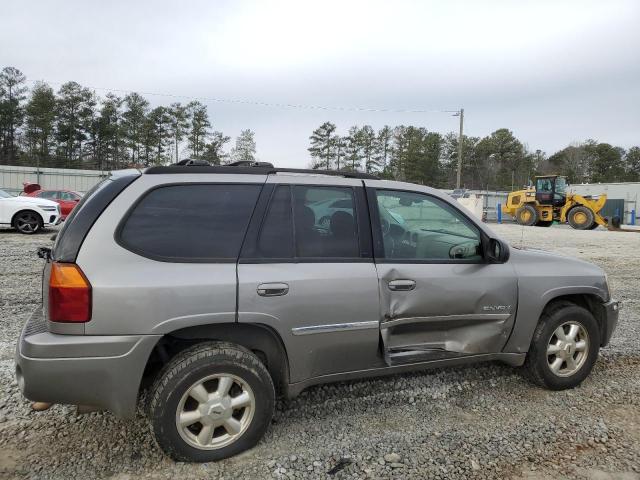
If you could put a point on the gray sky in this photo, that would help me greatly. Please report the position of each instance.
(554, 72)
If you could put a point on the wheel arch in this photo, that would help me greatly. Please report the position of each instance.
(589, 301)
(260, 339)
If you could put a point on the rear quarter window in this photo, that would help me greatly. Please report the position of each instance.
(190, 222)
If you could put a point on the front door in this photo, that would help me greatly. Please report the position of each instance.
(307, 272)
(439, 298)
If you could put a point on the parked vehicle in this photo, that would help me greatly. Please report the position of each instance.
(220, 287)
(67, 199)
(27, 215)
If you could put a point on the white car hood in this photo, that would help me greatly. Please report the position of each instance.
(30, 200)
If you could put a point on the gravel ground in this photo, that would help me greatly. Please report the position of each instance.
(485, 421)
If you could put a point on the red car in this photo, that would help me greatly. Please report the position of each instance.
(66, 198)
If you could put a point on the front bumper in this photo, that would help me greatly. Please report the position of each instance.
(611, 312)
(98, 371)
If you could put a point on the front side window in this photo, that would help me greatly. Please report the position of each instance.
(419, 227)
(190, 222)
(48, 194)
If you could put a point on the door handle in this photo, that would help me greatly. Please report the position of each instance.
(402, 285)
(273, 289)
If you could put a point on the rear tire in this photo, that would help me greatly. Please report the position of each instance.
(564, 347)
(210, 402)
(581, 218)
(527, 215)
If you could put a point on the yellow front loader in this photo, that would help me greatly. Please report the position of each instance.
(548, 201)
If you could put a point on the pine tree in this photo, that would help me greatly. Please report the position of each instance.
(110, 132)
(321, 148)
(134, 118)
(245, 149)
(353, 149)
(40, 115)
(214, 150)
(74, 110)
(383, 149)
(179, 124)
(198, 129)
(12, 94)
(367, 139)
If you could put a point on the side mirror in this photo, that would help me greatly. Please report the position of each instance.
(496, 251)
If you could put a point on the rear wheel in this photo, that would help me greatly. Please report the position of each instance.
(581, 218)
(212, 401)
(27, 222)
(527, 215)
(564, 347)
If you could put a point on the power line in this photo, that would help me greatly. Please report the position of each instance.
(266, 104)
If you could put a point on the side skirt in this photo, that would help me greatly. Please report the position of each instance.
(513, 359)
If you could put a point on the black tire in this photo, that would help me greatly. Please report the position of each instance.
(581, 218)
(544, 223)
(537, 361)
(27, 222)
(187, 369)
(527, 215)
(594, 226)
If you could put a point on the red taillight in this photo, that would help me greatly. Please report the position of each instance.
(69, 294)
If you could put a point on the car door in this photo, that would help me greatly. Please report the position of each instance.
(67, 201)
(439, 298)
(310, 279)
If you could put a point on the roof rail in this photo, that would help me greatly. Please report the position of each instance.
(257, 170)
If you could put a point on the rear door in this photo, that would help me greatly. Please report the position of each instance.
(306, 271)
(439, 298)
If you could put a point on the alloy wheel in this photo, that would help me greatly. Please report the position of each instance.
(568, 349)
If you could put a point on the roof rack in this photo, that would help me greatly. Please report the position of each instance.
(257, 170)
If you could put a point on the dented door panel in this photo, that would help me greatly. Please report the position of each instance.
(454, 309)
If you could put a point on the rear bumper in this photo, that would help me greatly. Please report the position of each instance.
(612, 309)
(99, 371)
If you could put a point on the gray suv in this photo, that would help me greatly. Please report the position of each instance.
(219, 288)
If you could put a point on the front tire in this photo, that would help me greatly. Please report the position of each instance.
(210, 402)
(564, 347)
(27, 222)
(581, 218)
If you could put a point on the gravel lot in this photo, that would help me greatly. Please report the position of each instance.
(485, 421)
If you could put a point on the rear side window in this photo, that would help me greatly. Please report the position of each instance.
(190, 222)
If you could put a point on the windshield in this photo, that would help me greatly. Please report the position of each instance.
(4, 194)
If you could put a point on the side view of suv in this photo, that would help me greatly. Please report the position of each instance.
(222, 287)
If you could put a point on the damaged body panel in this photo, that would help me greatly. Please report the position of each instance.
(431, 322)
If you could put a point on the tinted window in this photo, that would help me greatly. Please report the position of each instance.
(49, 194)
(421, 227)
(276, 235)
(190, 222)
(322, 229)
(68, 196)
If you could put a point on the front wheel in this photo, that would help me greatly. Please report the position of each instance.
(212, 401)
(564, 347)
(27, 222)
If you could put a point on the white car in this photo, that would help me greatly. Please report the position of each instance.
(28, 214)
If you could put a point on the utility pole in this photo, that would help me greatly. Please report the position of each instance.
(461, 115)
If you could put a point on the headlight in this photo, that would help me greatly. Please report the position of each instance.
(48, 208)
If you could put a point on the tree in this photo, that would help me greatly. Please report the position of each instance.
(110, 132)
(155, 136)
(12, 94)
(214, 150)
(383, 147)
(245, 149)
(322, 145)
(74, 110)
(199, 128)
(607, 164)
(40, 115)
(353, 149)
(367, 139)
(632, 160)
(178, 125)
(134, 118)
